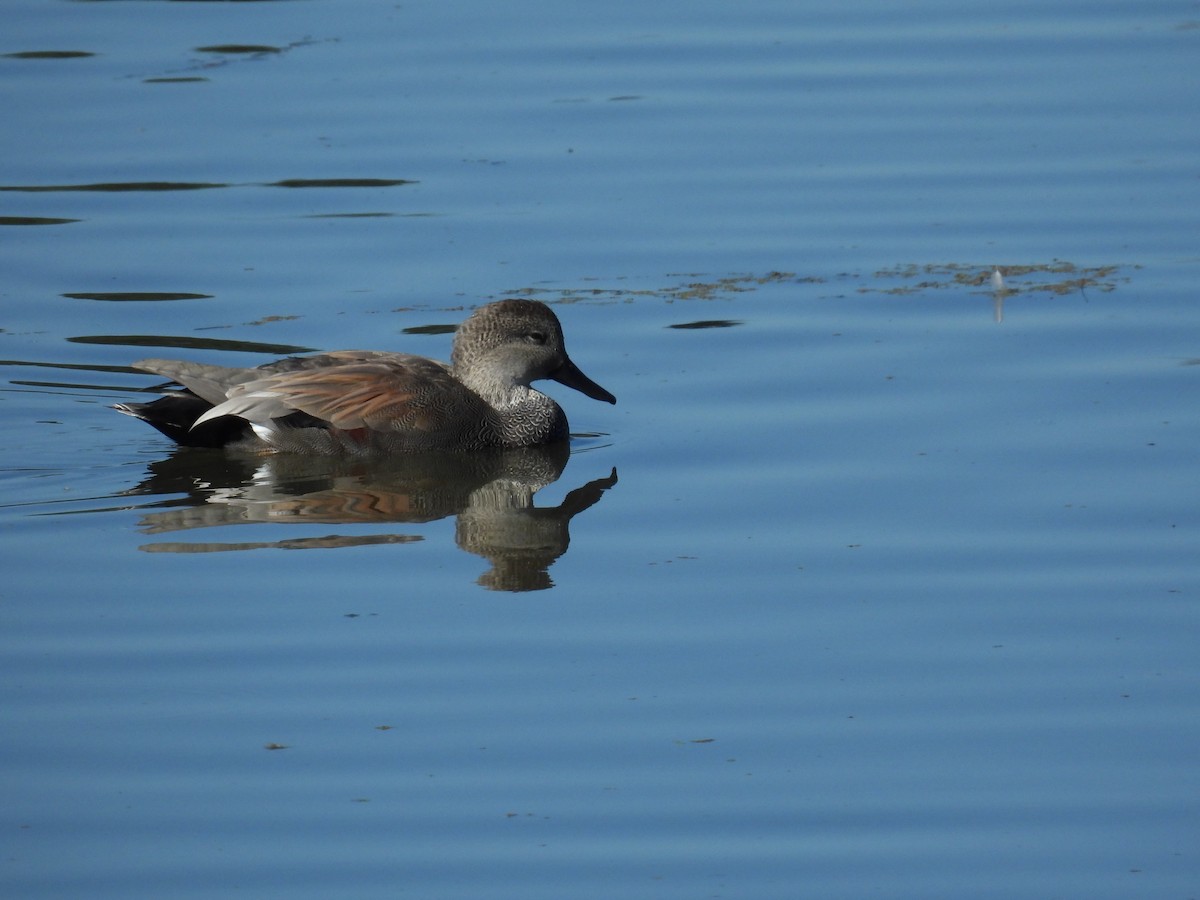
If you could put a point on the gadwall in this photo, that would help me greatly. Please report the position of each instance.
(373, 401)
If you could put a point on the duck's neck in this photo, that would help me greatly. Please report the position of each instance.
(524, 416)
(498, 393)
(529, 417)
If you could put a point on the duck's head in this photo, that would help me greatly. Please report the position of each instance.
(518, 342)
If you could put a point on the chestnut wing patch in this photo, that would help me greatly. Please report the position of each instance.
(395, 393)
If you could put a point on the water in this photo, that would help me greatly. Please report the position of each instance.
(877, 580)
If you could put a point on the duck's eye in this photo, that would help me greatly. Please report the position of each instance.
(536, 337)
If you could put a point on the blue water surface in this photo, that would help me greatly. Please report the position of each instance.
(880, 578)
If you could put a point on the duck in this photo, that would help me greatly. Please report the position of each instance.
(361, 402)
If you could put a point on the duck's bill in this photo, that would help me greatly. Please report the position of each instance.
(570, 375)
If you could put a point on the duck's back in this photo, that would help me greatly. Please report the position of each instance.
(358, 401)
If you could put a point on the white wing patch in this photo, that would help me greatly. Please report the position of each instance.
(254, 406)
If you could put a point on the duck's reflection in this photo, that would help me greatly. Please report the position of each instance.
(491, 494)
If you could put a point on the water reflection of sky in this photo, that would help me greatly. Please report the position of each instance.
(893, 593)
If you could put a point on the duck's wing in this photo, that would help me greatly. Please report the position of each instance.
(212, 383)
(350, 390)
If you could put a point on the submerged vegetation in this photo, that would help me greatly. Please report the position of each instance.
(1056, 277)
